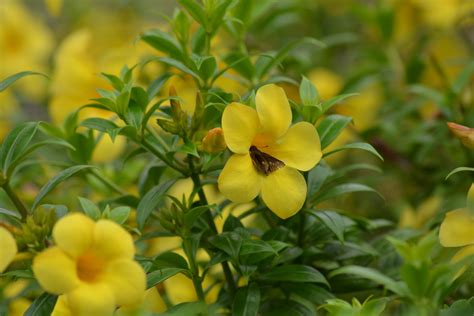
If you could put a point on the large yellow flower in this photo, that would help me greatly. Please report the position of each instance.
(8, 248)
(268, 153)
(92, 265)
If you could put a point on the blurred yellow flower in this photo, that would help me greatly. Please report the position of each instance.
(327, 82)
(425, 211)
(364, 107)
(268, 153)
(25, 44)
(444, 13)
(18, 305)
(8, 248)
(54, 6)
(91, 265)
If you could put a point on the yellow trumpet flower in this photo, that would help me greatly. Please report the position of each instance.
(268, 153)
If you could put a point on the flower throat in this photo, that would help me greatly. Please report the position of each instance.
(264, 163)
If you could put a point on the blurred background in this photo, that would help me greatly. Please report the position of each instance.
(406, 59)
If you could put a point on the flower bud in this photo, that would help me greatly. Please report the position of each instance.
(214, 141)
(463, 133)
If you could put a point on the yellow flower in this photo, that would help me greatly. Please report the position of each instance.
(25, 44)
(328, 83)
(426, 210)
(268, 153)
(8, 248)
(92, 265)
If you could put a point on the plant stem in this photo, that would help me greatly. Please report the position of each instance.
(108, 183)
(16, 200)
(210, 220)
(194, 270)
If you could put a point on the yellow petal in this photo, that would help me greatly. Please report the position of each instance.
(74, 233)
(18, 306)
(127, 281)
(112, 241)
(457, 229)
(299, 148)
(273, 110)
(240, 124)
(61, 308)
(55, 271)
(8, 248)
(91, 300)
(284, 192)
(239, 181)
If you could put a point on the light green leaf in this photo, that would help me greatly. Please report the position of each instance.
(330, 127)
(459, 170)
(151, 200)
(5, 83)
(89, 208)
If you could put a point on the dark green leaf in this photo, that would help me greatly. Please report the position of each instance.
(42, 306)
(311, 292)
(191, 217)
(294, 273)
(247, 301)
(158, 276)
(151, 200)
(343, 189)
(163, 42)
(170, 260)
(195, 10)
(16, 143)
(333, 221)
(120, 214)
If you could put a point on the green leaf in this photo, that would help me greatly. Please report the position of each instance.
(247, 301)
(285, 307)
(326, 105)
(191, 216)
(330, 127)
(294, 273)
(253, 251)
(372, 275)
(229, 242)
(363, 146)
(42, 306)
(208, 68)
(170, 260)
(217, 15)
(333, 221)
(120, 214)
(150, 201)
(461, 307)
(16, 143)
(122, 102)
(114, 81)
(60, 177)
(163, 42)
(155, 87)
(99, 124)
(343, 189)
(317, 177)
(311, 292)
(89, 208)
(308, 93)
(177, 64)
(459, 170)
(5, 83)
(160, 275)
(195, 10)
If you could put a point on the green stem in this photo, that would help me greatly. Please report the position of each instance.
(16, 200)
(194, 270)
(210, 220)
(108, 183)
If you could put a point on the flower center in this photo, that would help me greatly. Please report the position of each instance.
(264, 163)
(90, 266)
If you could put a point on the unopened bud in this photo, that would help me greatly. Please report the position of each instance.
(214, 141)
(463, 133)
